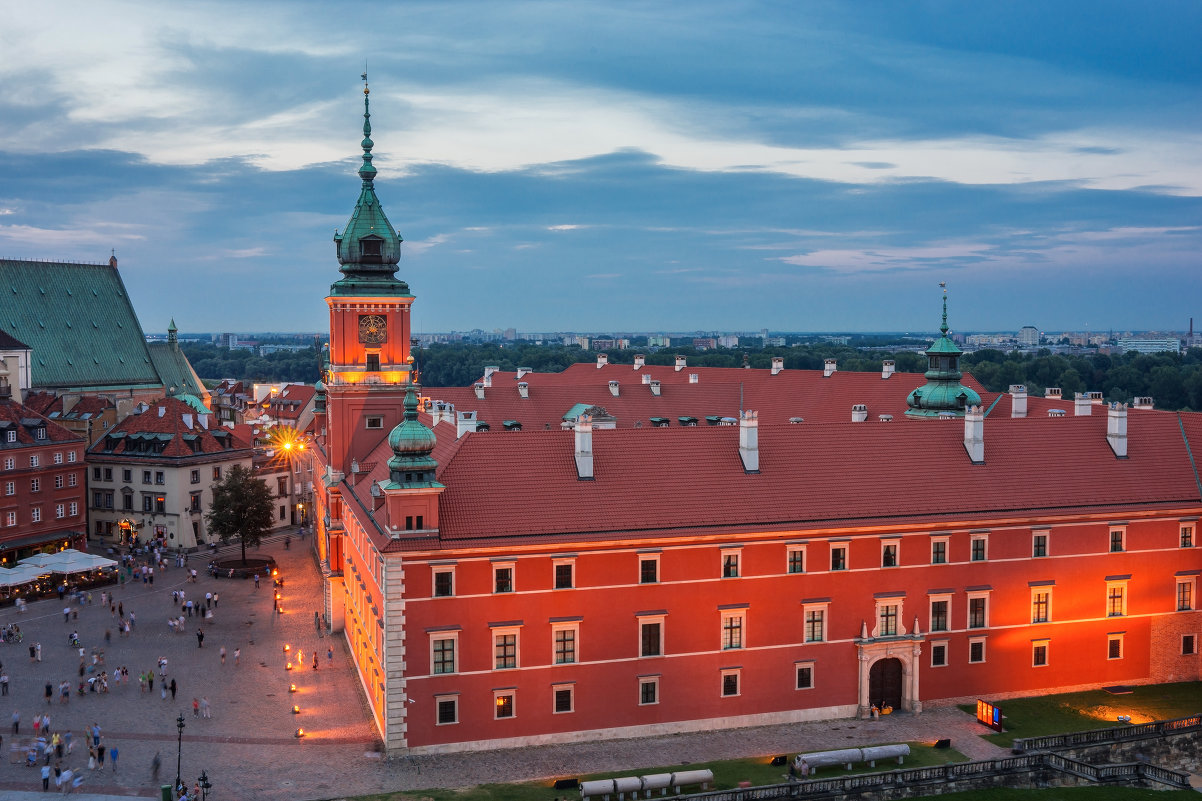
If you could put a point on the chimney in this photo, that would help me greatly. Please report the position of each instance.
(488, 371)
(1142, 402)
(602, 360)
(655, 386)
(1018, 400)
(694, 378)
(613, 388)
(1116, 429)
(1052, 392)
(829, 367)
(778, 364)
(522, 371)
(1081, 405)
(1096, 398)
(974, 434)
(749, 441)
(639, 361)
(479, 388)
(584, 447)
(465, 423)
(888, 367)
(523, 389)
(885, 418)
(680, 363)
(646, 378)
(859, 413)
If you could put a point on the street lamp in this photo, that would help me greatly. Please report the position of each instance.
(179, 751)
(204, 786)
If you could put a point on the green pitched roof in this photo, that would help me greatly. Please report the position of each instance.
(174, 370)
(78, 321)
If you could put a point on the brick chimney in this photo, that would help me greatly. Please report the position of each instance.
(1116, 429)
(749, 441)
(974, 434)
(584, 447)
(829, 367)
(1018, 400)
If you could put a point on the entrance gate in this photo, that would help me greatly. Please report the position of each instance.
(885, 683)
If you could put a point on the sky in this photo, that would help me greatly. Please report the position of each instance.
(620, 166)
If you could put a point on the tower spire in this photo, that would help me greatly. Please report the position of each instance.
(943, 328)
(367, 172)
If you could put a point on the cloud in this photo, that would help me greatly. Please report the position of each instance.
(566, 227)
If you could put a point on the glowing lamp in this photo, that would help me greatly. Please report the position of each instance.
(295, 709)
(288, 666)
(300, 732)
(291, 688)
(287, 648)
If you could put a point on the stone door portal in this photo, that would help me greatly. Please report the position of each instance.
(885, 683)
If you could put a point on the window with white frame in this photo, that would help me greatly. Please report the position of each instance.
(373, 422)
(505, 648)
(504, 704)
(10, 519)
(444, 581)
(35, 485)
(563, 573)
(734, 623)
(74, 508)
(70, 456)
(447, 707)
(60, 482)
(651, 635)
(1041, 603)
(648, 690)
(60, 511)
(648, 568)
(978, 610)
(9, 463)
(1185, 593)
(502, 577)
(731, 681)
(814, 615)
(1116, 598)
(565, 638)
(10, 436)
(804, 671)
(1187, 536)
(939, 653)
(72, 479)
(979, 547)
(1039, 652)
(730, 562)
(795, 558)
(35, 514)
(1039, 543)
(1114, 644)
(1118, 539)
(889, 552)
(444, 646)
(838, 556)
(940, 619)
(976, 650)
(939, 550)
(10, 488)
(889, 616)
(563, 698)
(34, 460)
(58, 458)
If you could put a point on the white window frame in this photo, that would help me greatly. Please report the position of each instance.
(11, 519)
(1121, 638)
(35, 514)
(984, 650)
(1047, 542)
(1036, 591)
(973, 539)
(723, 674)
(34, 460)
(790, 551)
(555, 565)
(1185, 536)
(797, 668)
(1121, 586)
(939, 644)
(895, 543)
(70, 456)
(453, 636)
(1046, 644)
(505, 631)
(374, 422)
(652, 680)
(557, 688)
(946, 597)
(1122, 540)
(740, 630)
(72, 480)
(975, 595)
(648, 557)
(513, 577)
(731, 564)
(1192, 583)
(644, 620)
(441, 699)
(10, 488)
(840, 546)
(60, 511)
(60, 482)
(947, 546)
(881, 603)
(817, 606)
(497, 695)
(435, 570)
(74, 508)
(35, 485)
(574, 627)
(58, 457)
(10, 463)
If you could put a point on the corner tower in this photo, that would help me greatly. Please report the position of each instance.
(369, 324)
(943, 393)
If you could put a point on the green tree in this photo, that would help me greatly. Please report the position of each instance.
(242, 508)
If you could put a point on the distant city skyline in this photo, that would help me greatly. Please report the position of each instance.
(614, 167)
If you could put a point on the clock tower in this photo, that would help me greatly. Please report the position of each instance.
(369, 325)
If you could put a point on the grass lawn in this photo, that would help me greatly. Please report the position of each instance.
(727, 774)
(1094, 709)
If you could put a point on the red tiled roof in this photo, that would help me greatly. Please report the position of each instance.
(169, 416)
(18, 417)
(43, 402)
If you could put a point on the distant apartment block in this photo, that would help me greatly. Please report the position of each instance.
(1149, 345)
(1028, 336)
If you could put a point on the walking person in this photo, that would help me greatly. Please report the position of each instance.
(5, 678)
(173, 689)
(155, 764)
(200, 638)
(100, 749)
(113, 757)
(195, 707)
(205, 710)
(237, 654)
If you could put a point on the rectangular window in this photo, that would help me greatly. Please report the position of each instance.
(939, 551)
(35, 514)
(563, 699)
(10, 436)
(11, 519)
(72, 479)
(1118, 538)
(59, 482)
(1116, 599)
(1187, 536)
(730, 564)
(217, 473)
(887, 620)
(283, 511)
(838, 557)
(34, 460)
(448, 710)
(160, 503)
(563, 574)
(35, 485)
(978, 612)
(648, 691)
(889, 553)
(1039, 545)
(146, 476)
(443, 659)
(10, 488)
(730, 682)
(95, 473)
(795, 557)
(976, 651)
(127, 502)
(70, 456)
(1114, 645)
(939, 654)
(1039, 653)
(195, 476)
(815, 623)
(147, 503)
(805, 676)
(60, 511)
(127, 475)
(1189, 645)
(939, 614)
(58, 458)
(732, 630)
(108, 474)
(505, 650)
(74, 508)
(1041, 605)
(160, 477)
(1185, 595)
(194, 502)
(444, 582)
(980, 548)
(651, 638)
(9, 463)
(502, 578)
(649, 569)
(565, 644)
(374, 421)
(503, 704)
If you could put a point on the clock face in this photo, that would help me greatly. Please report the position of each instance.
(373, 329)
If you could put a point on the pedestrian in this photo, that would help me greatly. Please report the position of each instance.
(237, 653)
(38, 648)
(3, 683)
(330, 655)
(100, 749)
(49, 692)
(173, 689)
(45, 778)
(66, 614)
(200, 638)
(150, 681)
(113, 757)
(4, 678)
(315, 660)
(121, 610)
(208, 600)
(33, 652)
(95, 734)
(205, 710)
(256, 581)
(216, 597)
(69, 739)
(155, 764)
(195, 707)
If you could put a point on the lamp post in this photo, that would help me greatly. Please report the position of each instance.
(204, 786)
(179, 751)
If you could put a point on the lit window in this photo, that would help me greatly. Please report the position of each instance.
(648, 568)
(1039, 653)
(976, 651)
(1116, 598)
(448, 709)
(1114, 645)
(503, 704)
(730, 682)
(838, 557)
(648, 690)
(939, 551)
(732, 629)
(795, 559)
(1041, 604)
(980, 548)
(805, 675)
(1039, 544)
(564, 569)
(563, 698)
(730, 564)
(564, 637)
(502, 576)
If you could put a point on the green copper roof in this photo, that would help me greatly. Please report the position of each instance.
(174, 371)
(193, 401)
(368, 247)
(78, 321)
(412, 443)
(943, 393)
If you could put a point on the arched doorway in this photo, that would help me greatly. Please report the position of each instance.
(885, 683)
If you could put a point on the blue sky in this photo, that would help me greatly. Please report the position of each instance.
(620, 166)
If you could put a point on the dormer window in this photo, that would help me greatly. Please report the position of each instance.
(371, 248)
(39, 433)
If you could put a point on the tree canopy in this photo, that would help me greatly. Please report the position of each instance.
(242, 508)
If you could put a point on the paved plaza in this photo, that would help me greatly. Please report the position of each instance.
(248, 747)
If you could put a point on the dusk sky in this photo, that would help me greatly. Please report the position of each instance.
(620, 166)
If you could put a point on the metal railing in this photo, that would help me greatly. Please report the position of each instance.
(1113, 734)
